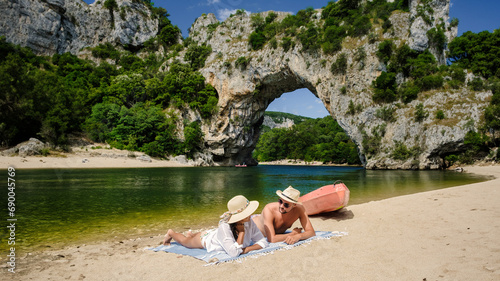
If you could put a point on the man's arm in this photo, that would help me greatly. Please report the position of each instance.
(271, 235)
(295, 236)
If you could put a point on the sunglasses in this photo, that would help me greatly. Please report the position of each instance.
(286, 205)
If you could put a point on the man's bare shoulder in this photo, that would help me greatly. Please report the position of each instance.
(300, 209)
(270, 208)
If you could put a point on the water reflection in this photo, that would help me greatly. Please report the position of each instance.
(85, 204)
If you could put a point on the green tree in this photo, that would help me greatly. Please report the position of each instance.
(193, 138)
(242, 63)
(286, 43)
(340, 65)
(104, 117)
(437, 38)
(440, 115)
(476, 141)
(420, 113)
(168, 34)
(385, 87)
(385, 49)
(126, 90)
(111, 5)
(477, 52)
(257, 40)
(196, 55)
(105, 51)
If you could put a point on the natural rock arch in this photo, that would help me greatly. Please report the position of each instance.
(245, 92)
(237, 127)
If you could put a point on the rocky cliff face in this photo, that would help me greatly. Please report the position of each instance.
(50, 26)
(246, 93)
(59, 26)
(285, 123)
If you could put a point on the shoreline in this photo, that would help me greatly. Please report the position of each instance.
(90, 156)
(299, 162)
(446, 234)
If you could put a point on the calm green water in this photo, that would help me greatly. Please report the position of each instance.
(56, 207)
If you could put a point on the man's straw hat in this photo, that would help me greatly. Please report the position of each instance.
(290, 194)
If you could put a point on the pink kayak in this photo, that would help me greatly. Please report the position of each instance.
(326, 199)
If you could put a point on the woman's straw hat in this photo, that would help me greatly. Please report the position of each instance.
(290, 194)
(239, 208)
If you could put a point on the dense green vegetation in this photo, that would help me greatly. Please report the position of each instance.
(326, 31)
(474, 52)
(122, 102)
(480, 53)
(319, 139)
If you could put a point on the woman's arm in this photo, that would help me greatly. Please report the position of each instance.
(240, 228)
(251, 248)
(256, 237)
(226, 240)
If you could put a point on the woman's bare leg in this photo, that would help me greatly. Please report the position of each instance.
(168, 238)
(192, 241)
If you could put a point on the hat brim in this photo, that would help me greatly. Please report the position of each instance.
(250, 209)
(286, 198)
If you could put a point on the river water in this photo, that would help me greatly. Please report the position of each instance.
(58, 207)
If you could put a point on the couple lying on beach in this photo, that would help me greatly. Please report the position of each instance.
(240, 232)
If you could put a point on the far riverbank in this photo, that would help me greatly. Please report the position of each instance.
(91, 156)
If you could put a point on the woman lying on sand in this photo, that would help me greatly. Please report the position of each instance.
(235, 234)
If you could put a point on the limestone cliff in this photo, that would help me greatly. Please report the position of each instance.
(245, 93)
(285, 123)
(50, 26)
(59, 26)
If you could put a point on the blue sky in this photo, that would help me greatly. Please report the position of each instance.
(475, 16)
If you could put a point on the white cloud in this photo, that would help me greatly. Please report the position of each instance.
(210, 2)
(223, 14)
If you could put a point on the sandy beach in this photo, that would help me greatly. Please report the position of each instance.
(91, 156)
(446, 234)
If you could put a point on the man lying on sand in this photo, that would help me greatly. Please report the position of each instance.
(279, 216)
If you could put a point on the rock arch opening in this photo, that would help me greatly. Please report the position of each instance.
(311, 134)
(301, 102)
